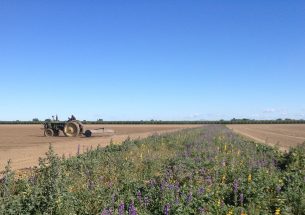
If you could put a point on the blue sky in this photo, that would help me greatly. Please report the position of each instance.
(161, 59)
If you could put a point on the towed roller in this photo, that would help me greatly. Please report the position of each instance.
(98, 132)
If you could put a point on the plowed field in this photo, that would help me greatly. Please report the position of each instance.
(24, 144)
(284, 136)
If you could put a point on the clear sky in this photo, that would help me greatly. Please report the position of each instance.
(160, 59)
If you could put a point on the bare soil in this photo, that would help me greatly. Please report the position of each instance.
(24, 144)
(283, 135)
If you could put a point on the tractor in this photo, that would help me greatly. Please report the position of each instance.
(70, 128)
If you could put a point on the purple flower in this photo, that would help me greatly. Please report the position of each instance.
(201, 210)
(166, 209)
(202, 172)
(235, 186)
(189, 197)
(121, 209)
(113, 199)
(163, 184)
(132, 209)
(139, 196)
(241, 199)
(106, 212)
(171, 186)
(201, 191)
(152, 182)
(177, 186)
(209, 179)
(146, 201)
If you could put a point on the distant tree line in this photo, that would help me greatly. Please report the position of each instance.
(232, 121)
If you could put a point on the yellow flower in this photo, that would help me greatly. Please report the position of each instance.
(243, 213)
(218, 203)
(225, 147)
(223, 179)
(230, 212)
(58, 201)
(277, 211)
(249, 178)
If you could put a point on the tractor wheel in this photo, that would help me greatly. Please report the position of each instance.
(88, 133)
(71, 129)
(48, 132)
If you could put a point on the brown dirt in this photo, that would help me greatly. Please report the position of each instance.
(284, 135)
(24, 144)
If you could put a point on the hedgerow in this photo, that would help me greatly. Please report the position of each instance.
(209, 170)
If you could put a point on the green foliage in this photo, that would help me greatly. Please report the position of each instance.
(208, 170)
(7, 181)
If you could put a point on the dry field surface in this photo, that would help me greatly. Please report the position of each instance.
(285, 135)
(24, 144)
